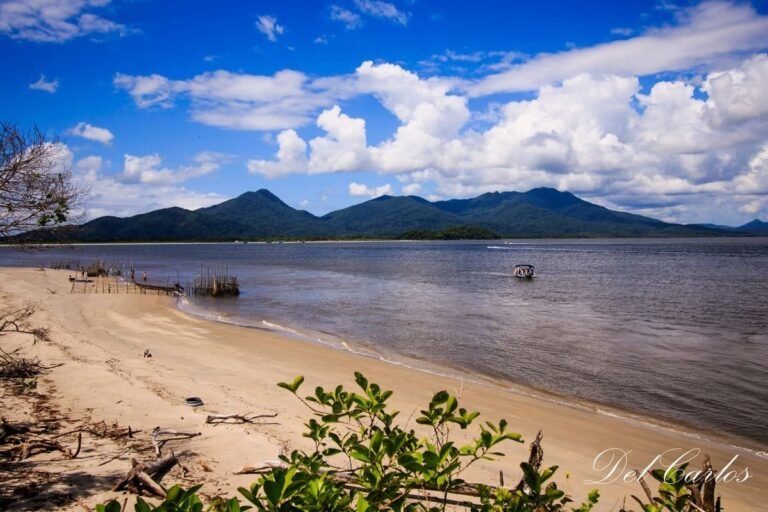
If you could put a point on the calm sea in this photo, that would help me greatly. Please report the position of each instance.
(673, 329)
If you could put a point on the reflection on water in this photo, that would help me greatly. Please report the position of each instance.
(674, 328)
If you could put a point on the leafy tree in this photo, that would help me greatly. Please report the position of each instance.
(36, 187)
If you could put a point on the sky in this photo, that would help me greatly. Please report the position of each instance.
(655, 107)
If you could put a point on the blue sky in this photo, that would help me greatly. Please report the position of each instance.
(658, 108)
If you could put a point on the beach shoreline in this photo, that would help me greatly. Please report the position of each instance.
(503, 385)
(104, 335)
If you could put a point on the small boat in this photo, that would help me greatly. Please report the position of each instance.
(524, 271)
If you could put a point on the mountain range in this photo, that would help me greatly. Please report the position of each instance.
(540, 212)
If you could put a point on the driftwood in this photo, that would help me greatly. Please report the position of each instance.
(147, 475)
(261, 469)
(114, 431)
(35, 446)
(162, 436)
(215, 419)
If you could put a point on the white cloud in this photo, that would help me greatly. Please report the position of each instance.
(269, 26)
(360, 190)
(343, 148)
(90, 132)
(374, 8)
(55, 21)
(705, 34)
(351, 20)
(596, 135)
(411, 189)
(379, 9)
(147, 169)
(148, 91)
(109, 194)
(674, 149)
(291, 157)
(739, 94)
(44, 85)
(234, 100)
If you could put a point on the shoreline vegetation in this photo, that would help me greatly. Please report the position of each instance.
(448, 235)
(102, 343)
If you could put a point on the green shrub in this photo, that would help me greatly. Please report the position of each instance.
(363, 461)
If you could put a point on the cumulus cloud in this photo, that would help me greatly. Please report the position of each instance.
(44, 85)
(343, 148)
(291, 157)
(110, 194)
(90, 132)
(361, 190)
(148, 170)
(594, 134)
(411, 189)
(269, 26)
(55, 21)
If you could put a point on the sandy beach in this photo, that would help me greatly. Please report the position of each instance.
(101, 338)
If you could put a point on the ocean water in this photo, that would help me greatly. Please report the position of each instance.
(671, 329)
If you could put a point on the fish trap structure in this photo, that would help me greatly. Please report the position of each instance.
(214, 284)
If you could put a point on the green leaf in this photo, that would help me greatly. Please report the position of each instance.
(440, 398)
(361, 381)
(362, 503)
(360, 453)
(274, 488)
(293, 386)
(141, 506)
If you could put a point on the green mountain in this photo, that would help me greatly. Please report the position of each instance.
(388, 216)
(757, 227)
(263, 214)
(547, 212)
(541, 212)
(159, 225)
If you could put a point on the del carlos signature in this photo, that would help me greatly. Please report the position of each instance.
(612, 465)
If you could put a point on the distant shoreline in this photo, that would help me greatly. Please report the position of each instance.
(383, 240)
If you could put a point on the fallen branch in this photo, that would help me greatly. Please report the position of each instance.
(17, 321)
(215, 419)
(36, 446)
(264, 468)
(147, 475)
(158, 439)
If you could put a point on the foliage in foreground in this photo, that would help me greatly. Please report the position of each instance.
(363, 461)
